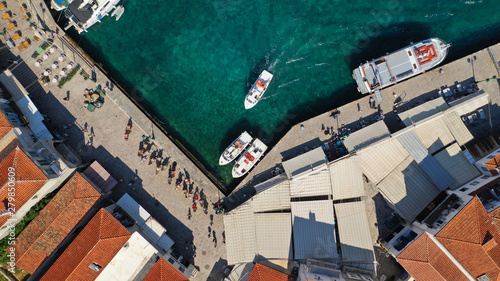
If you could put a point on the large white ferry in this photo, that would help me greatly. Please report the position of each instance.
(400, 65)
(248, 159)
(258, 89)
(82, 14)
(235, 148)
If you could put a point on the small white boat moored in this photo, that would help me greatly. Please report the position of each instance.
(248, 159)
(235, 148)
(258, 89)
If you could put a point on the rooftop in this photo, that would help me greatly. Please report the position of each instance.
(471, 233)
(354, 235)
(425, 260)
(28, 179)
(44, 234)
(98, 175)
(5, 126)
(164, 271)
(263, 273)
(91, 251)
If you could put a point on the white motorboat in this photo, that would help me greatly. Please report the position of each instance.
(82, 14)
(258, 89)
(400, 65)
(248, 159)
(235, 148)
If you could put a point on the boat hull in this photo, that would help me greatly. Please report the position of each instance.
(249, 158)
(258, 89)
(230, 153)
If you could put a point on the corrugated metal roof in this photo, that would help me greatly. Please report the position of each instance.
(347, 178)
(136, 211)
(455, 162)
(312, 184)
(314, 230)
(305, 162)
(270, 182)
(408, 188)
(470, 103)
(354, 234)
(441, 178)
(366, 136)
(274, 235)
(379, 160)
(239, 226)
(272, 199)
(434, 134)
(423, 111)
(457, 127)
(413, 145)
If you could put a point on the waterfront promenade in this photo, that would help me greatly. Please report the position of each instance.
(305, 135)
(119, 157)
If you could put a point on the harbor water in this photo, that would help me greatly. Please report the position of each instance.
(191, 63)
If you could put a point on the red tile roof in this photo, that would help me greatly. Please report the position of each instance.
(164, 271)
(5, 126)
(99, 242)
(473, 233)
(28, 180)
(493, 164)
(495, 214)
(263, 273)
(44, 234)
(425, 261)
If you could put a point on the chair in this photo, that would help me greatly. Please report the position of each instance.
(16, 35)
(12, 25)
(6, 16)
(24, 45)
(2, 6)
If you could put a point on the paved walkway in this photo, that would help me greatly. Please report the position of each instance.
(119, 157)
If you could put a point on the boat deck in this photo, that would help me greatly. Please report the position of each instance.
(79, 15)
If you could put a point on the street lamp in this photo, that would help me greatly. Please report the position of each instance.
(487, 79)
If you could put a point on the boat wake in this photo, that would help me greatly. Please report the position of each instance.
(293, 81)
(318, 64)
(294, 60)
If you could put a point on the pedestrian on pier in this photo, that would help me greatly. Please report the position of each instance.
(131, 182)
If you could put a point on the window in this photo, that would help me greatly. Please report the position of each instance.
(49, 171)
(485, 177)
(484, 169)
(33, 154)
(463, 189)
(95, 267)
(42, 162)
(483, 277)
(474, 183)
(491, 157)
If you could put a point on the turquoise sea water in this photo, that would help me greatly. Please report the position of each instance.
(192, 62)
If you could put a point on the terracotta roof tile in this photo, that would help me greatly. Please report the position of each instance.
(28, 178)
(495, 214)
(425, 261)
(5, 126)
(263, 273)
(44, 234)
(99, 242)
(470, 234)
(164, 271)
